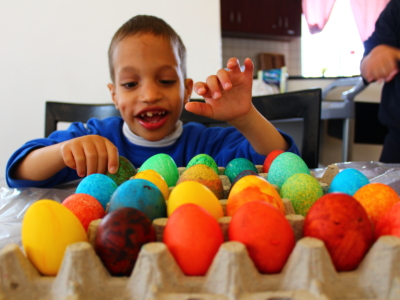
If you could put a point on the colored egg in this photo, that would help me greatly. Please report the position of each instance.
(253, 188)
(285, 165)
(99, 186)
(389, 223)
(242, 174)
(340, 221)
(204, 159)
(265, 232)
(348, 181)
(270, 158)
(125, 171)
(85, 207)
(155, 178)
(196, 193)
(302, 190)
(204, 175)
(119, 238)
(193, 237)
(237, 165)
(377, 199)
(48, 228)
(164, 165)
(140, 194)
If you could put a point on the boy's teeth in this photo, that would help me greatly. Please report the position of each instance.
(149, 114)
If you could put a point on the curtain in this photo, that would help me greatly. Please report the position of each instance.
(365, 14)
(317, 13)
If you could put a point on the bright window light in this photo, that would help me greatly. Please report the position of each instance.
(337, 50)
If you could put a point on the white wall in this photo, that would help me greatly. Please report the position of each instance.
(57, 50)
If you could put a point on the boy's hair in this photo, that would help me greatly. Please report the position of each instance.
(147, 24)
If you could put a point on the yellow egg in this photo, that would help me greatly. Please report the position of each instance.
(196, 193)
(48, 228)
(155, 178)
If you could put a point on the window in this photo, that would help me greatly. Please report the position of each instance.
(337, 50)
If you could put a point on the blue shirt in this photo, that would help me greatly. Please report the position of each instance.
(223, 144)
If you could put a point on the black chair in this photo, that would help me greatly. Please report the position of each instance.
(305, 104)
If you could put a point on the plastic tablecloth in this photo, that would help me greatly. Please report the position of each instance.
(14, 202)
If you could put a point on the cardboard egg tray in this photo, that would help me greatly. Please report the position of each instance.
(308, 274)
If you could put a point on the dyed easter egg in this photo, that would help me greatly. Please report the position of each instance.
(389, 223)
(204, 175)
(48, 228)
(196, 193)
(302, 190)
(125, 171)
(348, 181)
(204, 159)
(240, 175)
(285, 165)
(164, 165)
(140, 194)
(377, 199)
(265, 232)
(99, 186)
(237, 165)
(343, 225)
(155, 178)
(119, 238)
(253, 188)
(193, 236)
(85, 207)
(270, 158)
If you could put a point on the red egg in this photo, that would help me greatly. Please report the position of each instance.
(265, 232)
(85, 207)
(193, 236)
(270, 158)
(389, 223)
(343, 224)
(119, 238)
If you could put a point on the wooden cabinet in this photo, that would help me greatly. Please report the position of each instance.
(267, 19)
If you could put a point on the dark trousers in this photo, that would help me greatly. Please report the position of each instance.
(391, 147)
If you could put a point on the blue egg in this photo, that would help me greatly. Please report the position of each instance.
(142, 195)
(99, 186)
(237, 165)
(348, 181)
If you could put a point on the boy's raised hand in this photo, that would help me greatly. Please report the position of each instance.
(227, 94)
(90, 154)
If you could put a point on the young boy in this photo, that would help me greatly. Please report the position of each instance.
(147, 61)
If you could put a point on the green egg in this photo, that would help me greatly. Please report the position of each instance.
(302, 190)
(125, 171)
(285, 165)
(164, 165)
(237, 165)
(204, 159)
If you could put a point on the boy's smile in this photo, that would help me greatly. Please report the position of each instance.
(149, 88)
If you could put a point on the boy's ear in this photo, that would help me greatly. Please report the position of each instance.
(188, 89)
(111, 87)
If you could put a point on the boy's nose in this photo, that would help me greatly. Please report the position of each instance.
(150, 92)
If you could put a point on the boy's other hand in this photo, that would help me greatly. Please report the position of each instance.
(227, 94)
(90, 154)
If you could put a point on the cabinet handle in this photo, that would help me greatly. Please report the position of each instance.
(279, 21)
(286, 22)
(231, 16)
(239, 18)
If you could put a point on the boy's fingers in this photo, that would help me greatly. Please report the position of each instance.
(91, 155)
(113, 158)
(214, 87)
(200, 88)
(224, 79)
(233, 64)
(80, 162)
(249, 66)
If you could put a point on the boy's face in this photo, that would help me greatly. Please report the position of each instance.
(149, 88)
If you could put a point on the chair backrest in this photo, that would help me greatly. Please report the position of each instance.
(304, 104)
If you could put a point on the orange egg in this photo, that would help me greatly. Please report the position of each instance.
(265, 232)
(155, 178)
(252, 188)
(377, 199)
(206, 176)
(193, 237)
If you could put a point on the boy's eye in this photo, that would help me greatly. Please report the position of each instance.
(129, 84)
(167, 82)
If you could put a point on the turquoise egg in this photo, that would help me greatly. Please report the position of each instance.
(348, 181)
(285, 165)
(125, 171)
(142, 195)
(99, 186)
(204, 159)
(164, 165)
(237, 165)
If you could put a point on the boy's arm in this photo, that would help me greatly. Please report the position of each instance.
(87, 155)
(228, 98)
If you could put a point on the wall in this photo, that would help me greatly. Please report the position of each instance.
(57, 50)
